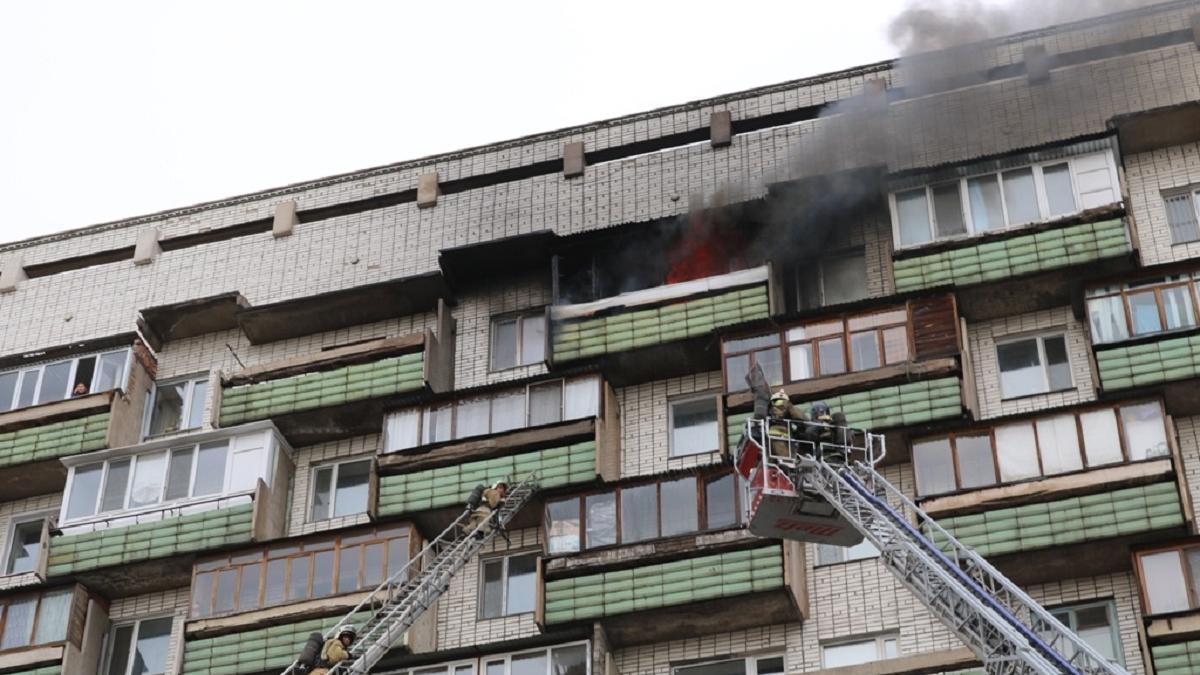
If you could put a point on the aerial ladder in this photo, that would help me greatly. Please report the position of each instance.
(816, 482)
(397, 603)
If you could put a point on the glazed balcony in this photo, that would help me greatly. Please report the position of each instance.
(647, 597)
(341, 392)
(63, 632)
(662, 331)
(189, 494)
(1021, 270)
(1170, 602)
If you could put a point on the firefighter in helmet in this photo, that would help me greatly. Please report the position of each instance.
(336, 650)
(826, 429)
(490, 500)
(780, 416)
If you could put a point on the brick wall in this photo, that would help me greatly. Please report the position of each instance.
(645, 444)
(20, 509)
(308, 457)
(1147, 175)
(172, 603)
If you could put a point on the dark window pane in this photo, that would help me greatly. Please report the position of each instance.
(1020, 368)
(947, 209)
(844, 279)
(679, 507)
(504, 344)
(273, 594)
(975, 465)
(569, 660)
(114, 486)
(562, 525)
(347, 579)
(351, 497)
(8, 389)
(248, 587)
(150, 651)
(601, 519)
(372, 565)
(864, 350)
(913, 212)
(1143, 308)
(639, 513)
(179, 474)
(934, 466)
(85, 371)
(522, 577)
(210, 468)
(322, 493)
(493, 588)
(26, 546)
(118, 661)
(736, 368)
(831, 356)
(167, 414)
(1058, 366)
(1093, 625)
(720, 503)
(56, 382)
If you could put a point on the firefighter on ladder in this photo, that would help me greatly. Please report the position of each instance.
(483, 504)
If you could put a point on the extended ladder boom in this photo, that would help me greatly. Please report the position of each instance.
(1000, 623)
(398, 602)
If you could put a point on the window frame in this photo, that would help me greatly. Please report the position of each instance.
(40, 368)
(1077, 413)
(1114, 625)
(335, 466)
(10, 541)
(749, 663)
(702, 480)
(110, 641)
(844, 556)
(423, 412)
(267, 554)
(785, 345)
(1192, 192)
(184, 408)
(1040, 338)
(519, 319)
(483, 662)
(1193, 593)
(504, 577)
(37, 616)
(1188, 280)
(823, 271)
(713, 397)
(964, 203)
(879, 640)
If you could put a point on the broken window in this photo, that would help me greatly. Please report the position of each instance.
(1034, 365)
(518, 340)
(508, 585)
(999, 199)
(1146, 307)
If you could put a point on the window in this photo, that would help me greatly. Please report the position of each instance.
(820, 348)
(505, 410)
(832, 280)
(664, 509)
(1044, 446)
(38, 619)
(340, 489)
(1182, 216)
(1147, 307)
(139, 648)
(998, 200)
(467, 668)
(570, 659)
(828, 554)
(518, 340)
(755, 665)
(1096, 624)
(1033, 365)
(859, 651)
(285, 573)
(164, 475)
(24, 545)
(693, 424)
(508, 585)
(176, 406)
(62, 378)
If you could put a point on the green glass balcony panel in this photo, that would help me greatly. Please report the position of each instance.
(593, 336)
(1181, 658)
(258, 650)
(248, 402)
(895, 406)
(74, 553)
(54, 440)
(1023, 254)
(1149, 363)
(52, 669)
(667, 584)
(1128, 511)
(450, 485)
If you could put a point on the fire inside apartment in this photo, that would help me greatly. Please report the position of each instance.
(223, 426)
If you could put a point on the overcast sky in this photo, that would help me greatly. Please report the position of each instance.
(115, 109)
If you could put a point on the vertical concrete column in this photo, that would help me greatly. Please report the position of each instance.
(573, 159)
(12, 273)
(1037, 64)
(285, 219)
(427, 190)
(147, 248)
(720, 128)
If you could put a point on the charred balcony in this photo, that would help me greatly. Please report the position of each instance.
(342, 392)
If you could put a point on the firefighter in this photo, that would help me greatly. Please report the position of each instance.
(780, 416)
(483, 507)
(828, 429)
(336, 650)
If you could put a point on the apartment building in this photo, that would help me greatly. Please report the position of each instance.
(222, 425)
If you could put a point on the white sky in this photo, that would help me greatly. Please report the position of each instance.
(115, 109)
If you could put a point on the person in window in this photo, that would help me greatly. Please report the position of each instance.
(79, 390)
(336, 650)
(483, 506)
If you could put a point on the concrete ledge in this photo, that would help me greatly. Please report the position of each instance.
(720, 128)
(1174, 627)
(917, 664)
(192, 317)
(573, 159)
(1037, 64)
(427, 190)
(147, 247)
(285, 219)
(44, 654)
(12, 273)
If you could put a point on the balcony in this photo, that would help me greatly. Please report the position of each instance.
(1023, 270)
(659, 332)
(341, 392)
(125, 541)
(65, 632)
(1168, 360)
(260, 650)
(1180, 658)
(646, 597)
